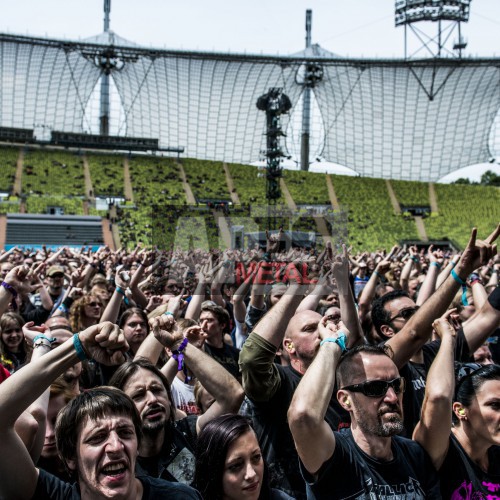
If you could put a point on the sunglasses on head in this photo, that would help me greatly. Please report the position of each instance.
(377, 388)
(405, 314)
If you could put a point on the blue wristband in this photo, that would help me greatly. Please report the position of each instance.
(168, 313)
(461, 282)
(50, 340)
(79, 348)
(119, 290)
(437, 264)
(340, 341)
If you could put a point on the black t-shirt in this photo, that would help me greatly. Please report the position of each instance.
(416, 375)
(461, 478)
(227, 356)
(276, 441)
(176, 461)
(50, 487)
(352, 474)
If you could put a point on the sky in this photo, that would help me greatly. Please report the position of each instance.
(355, 28)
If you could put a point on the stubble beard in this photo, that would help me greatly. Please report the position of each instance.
(390, 427)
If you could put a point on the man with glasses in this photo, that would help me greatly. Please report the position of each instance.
(407, 329)
(368, 460)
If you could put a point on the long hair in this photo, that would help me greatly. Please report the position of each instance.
(128, 313)
(211, 450)
(9, 320)
(77, 311)
(126, 370)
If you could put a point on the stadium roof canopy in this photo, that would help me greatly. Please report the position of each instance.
(414, 120)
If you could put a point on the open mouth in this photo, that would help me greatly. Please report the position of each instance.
(114, 470)
(155, 413)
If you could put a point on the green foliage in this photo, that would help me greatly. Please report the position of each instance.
(39, 204)
(8, 164)
(206, 178)
(156, 181)
(106, 172)
(463, 180)
(250, 184)
(372, 223)
(462, 207)
(7, 207)
(53, 173)
(489, 178)
(411, 193)
(307, 187)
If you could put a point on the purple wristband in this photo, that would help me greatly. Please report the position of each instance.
(10, 288)
(178, 354)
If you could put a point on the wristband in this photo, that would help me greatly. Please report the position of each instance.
(178, 354)
(168, 313)
(80, 352)
(10, 288)
(415, 259)
(41, 336)
(461, 282)
(122, 292)
(340, 341)
(436, 264)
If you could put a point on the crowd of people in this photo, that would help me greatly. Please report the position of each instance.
(266, 373)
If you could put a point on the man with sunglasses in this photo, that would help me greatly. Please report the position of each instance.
(368, 460)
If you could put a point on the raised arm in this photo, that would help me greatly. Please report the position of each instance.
(19, 475)
(368, 293)
(483, 323)
(348, 313)
(410, 262)
(113, 307)
(314, 438)
(31, 425)
(433, 429)
(259, 374)
(225, 389)
(429, 285)
(419, 327)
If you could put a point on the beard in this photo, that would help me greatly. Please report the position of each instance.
(383, 427)
(153, 426)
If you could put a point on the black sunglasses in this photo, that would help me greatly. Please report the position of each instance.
(94, 304)
(405, 314)
(378, 388)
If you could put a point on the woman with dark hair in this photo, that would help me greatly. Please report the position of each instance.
(468, 460)
(135, 326)
(229, 463)
(12, 346)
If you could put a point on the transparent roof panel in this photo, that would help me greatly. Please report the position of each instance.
(406, 120)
